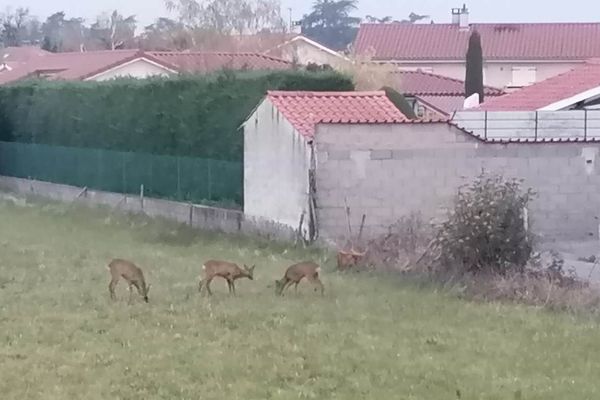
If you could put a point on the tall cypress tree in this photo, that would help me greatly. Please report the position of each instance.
(474, 76)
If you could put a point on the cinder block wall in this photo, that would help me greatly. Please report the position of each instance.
(389, 171)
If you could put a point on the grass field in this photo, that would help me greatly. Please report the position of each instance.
(369, 337)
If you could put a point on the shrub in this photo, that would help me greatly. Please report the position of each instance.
(186, 115)
(486, 231)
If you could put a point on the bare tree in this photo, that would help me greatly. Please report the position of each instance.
(15, 27)
(114, 31)
(228, 16)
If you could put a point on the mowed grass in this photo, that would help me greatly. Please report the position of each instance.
(369, 337)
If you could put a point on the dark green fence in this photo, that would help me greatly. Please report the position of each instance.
(170, 177)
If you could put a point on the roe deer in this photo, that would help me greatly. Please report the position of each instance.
(297, 272)
(348, 259)
(226, 270)
(132, 274)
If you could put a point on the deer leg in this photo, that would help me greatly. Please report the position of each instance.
(232, 283)
(296, 287)
(286, 285)
(200, 285)
(130, 293)
(111, 288)
(318, 284)
(208, 281)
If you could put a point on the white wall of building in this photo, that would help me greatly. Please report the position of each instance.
(139, 68)
(497, 74)
(305, 53)
(276, 165)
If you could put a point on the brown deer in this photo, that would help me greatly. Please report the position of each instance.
(348, 259)
(132, 274)
(226, 270)
(297, 272)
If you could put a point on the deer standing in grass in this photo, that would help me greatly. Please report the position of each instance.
(226, 270)
(294, 274)
(348, 259)
(132, 274)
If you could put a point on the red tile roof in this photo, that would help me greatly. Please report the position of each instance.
(305, 110)
(424, 83)
(546, 41)
(209, 62)
(549, 91)
(445, 105)
(22, 54)
(80, 66)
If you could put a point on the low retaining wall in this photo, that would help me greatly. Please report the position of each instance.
(198, 216)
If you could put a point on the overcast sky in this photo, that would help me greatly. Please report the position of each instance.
(481, 10)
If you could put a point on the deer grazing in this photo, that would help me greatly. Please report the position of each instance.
(226, 270)
(297, 272)
(132, 274)
(349, 259)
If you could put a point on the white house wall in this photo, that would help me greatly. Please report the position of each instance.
(305, 53)
(496, 74)
(138, 69)
(276, 164)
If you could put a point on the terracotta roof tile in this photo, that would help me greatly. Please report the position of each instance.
(544, 41)
(80, 66)
(549, 91)
(304, 110)
(209, 62)
(445, 105)
(424, 83)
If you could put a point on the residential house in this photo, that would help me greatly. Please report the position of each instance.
(565, 107)
(515, 55)
(105, 65)
(304, 51)
(322, 152)
(434, 96)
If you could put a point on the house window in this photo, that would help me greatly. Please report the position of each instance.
(523, 76)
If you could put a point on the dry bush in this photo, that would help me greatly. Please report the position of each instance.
(368, 75)
(404, 243)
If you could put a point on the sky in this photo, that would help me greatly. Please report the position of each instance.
(439, 10)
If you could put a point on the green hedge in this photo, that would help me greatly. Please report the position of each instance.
(188, 115)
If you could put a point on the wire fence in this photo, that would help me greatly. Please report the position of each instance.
(170, 177)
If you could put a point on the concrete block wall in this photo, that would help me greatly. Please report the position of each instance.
(198, 216)
(388, 172)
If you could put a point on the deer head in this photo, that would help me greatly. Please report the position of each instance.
(249, 271)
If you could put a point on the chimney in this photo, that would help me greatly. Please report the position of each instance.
(460, 17)
(456, 16)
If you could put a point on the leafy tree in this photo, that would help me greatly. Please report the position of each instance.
(165, 34)
(52, 31)
(474, 73)
(331, 24)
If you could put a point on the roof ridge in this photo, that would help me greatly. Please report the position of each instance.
(312, 93)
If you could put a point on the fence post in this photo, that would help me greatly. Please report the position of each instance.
(209, 180)
(142, 196)
(124, 183)
(178, 179)
(485, 126)
(191, 218)
(536, 126)
(585, 123)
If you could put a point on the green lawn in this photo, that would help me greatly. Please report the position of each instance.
(369, 337)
